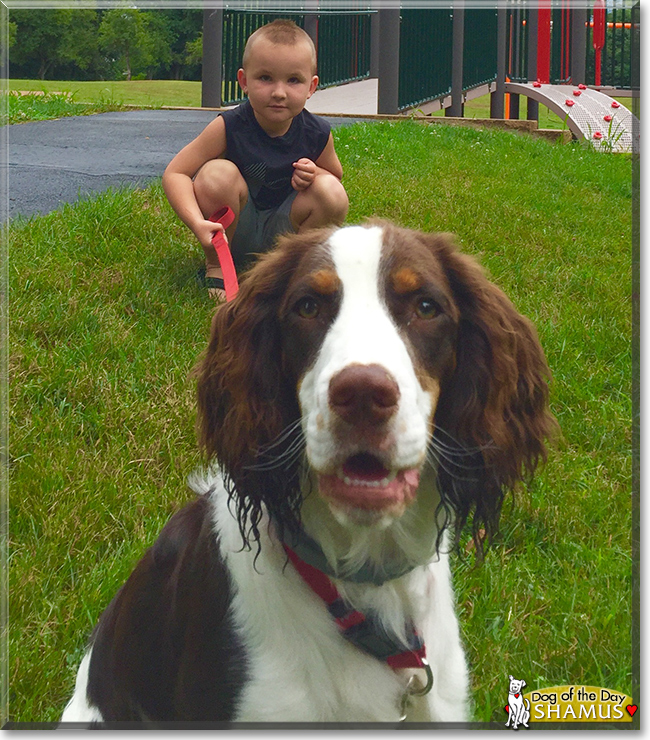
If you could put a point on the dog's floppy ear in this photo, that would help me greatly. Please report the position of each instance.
(245, 400)
(239, 376)
(494, 408)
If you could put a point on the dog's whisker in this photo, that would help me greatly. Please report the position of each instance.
(456, 460)
(451, 452)
(459, 445)
(436, 460)
(286, 432)
(286, 457)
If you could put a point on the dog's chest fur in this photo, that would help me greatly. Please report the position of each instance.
(299, 666)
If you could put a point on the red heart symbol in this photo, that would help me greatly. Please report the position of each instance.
(516, 696)
(507, 708)
(631, 709)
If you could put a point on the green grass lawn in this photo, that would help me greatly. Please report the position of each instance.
(108, 317)
(153, 93)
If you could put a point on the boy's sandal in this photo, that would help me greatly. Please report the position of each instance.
(216, 288)
(215, 282)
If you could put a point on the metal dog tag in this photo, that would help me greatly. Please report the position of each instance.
(414, 687)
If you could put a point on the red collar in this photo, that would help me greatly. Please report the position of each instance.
(363, 631)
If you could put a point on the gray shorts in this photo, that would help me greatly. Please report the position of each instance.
(257, 230)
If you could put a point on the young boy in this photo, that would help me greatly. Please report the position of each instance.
(270, 160)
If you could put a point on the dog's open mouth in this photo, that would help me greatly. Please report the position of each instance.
(364, 483)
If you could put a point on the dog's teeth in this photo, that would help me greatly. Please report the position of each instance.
(383, 483)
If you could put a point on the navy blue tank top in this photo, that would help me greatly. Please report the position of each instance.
(266, 162)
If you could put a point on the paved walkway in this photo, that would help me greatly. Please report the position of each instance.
(358, 98)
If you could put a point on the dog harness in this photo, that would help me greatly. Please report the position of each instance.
(310, 551)
(367, 634)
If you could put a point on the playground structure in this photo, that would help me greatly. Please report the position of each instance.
(433, 59)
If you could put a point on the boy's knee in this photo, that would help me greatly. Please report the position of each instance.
(329, 197)
(219, 179)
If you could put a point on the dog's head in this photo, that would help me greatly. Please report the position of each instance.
(380, 357)
(516, 685)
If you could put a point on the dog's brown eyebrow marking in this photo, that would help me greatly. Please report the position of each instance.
(405, 280)
(324, 281)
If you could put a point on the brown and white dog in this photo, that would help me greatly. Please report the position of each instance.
(367, 389)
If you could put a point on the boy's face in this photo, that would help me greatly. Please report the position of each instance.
(278, 80)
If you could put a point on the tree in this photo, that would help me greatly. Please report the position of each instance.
(51, 41)
(38, 39)
(157, 41)
(121, 35)
(185, 26)
(137, 41)
(79, 45)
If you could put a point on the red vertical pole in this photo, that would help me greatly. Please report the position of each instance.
(598, 35)
(544, 42)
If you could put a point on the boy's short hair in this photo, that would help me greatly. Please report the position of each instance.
(283, 32)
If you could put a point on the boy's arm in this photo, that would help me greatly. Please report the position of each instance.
(305, 170)
(178, 176)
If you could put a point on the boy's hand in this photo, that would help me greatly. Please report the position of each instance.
(204, 231)
(304, 173)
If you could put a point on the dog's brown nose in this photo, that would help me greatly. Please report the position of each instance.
(364, 394)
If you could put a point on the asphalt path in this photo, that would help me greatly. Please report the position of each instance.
(54, 162)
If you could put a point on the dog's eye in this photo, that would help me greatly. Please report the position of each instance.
(307, 308)
(425, 308)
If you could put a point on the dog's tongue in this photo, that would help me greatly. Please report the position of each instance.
(366, 484)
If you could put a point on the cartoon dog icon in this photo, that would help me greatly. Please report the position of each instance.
(518, 707)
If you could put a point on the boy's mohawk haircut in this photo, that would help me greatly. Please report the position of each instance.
(281, 31)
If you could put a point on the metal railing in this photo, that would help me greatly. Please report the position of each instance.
(479, 48)
(517, 44)
(561, 45)
(343, 48)
(618, 56)
(621, 50)
(425, 55)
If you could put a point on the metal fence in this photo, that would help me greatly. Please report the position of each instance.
(619, 56)
(621, 51)
(426, 46)
(560, 45)
(343, 45)
(479, 48)
(343, 48)
(425, 50)
(517, 44)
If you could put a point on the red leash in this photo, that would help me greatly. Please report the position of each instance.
(225, 217)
